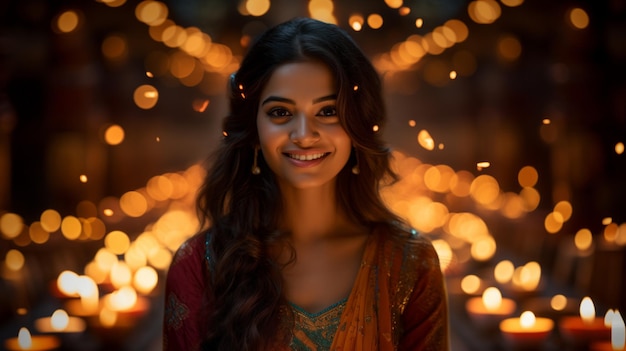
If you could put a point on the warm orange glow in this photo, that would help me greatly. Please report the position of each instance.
(146, 96)
(117, 242)
(503, 271)
(509, 48)
(120, 275)
(610, 232)
(257, 7)
(375, 21)
(11, 225)
(419, 23)
(152, 13)
(105, 259)
(200, 105)
(583, 239)
(67, 21)
(14, 260)
(482, 165)
(322, 10)
(107, 317)
(145, 279)
(375, 128)
(553, 222)
(122, 299)
(485, 189)
(453, 74)
(483, 249)
(59, 320)
(528, 276)
(115, 47)
(37, 234)
(114, 135)
(67, 283)
(394, 4)
(71, 227)
(587, 310)
(579, 18)
(558, 302)
(527, 319)
(50, 220)
(484, 11)
(444, 252)
(459, 28)
(133, 203)
(425, 140)
(470, 284)
(619, 148)
(565, 209)
(492, 298)
(530, 198)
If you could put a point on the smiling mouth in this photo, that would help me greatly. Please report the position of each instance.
(309, 157)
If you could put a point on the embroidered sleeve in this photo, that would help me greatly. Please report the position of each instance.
(425, 317)
(184, 290)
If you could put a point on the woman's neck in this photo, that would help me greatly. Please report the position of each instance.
(312, 214)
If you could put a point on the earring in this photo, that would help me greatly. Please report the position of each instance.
(255, 168)
(355, 169)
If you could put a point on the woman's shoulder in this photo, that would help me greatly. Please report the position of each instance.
(411, 247)
(191, 252)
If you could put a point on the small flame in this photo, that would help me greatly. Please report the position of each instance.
(587, 310)
(83, 178)
(59, 320)
(425, 140)
(24, 340)
(527, 319)
(546, 121)
(149, 74)
(492, 298)
(608, 318)
(108, 212)
(453, 75)
(375, 128)
(482, 165)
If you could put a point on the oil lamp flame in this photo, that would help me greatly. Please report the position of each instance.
(587, 310)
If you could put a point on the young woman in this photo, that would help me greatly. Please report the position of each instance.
(300, 252)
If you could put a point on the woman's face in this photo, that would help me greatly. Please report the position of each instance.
(300, 135)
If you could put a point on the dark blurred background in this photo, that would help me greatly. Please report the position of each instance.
(537, 83)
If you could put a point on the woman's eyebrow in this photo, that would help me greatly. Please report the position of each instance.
(325, 98)
(278, 99)
(289, 101)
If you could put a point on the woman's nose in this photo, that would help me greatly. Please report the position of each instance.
(304, 133)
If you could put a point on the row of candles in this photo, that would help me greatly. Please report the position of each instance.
(86, 306)
(528, 331)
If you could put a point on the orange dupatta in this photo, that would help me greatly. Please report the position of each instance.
(363, 326)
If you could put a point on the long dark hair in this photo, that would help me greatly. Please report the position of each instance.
(242, 209)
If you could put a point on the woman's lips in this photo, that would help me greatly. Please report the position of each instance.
(309, 159)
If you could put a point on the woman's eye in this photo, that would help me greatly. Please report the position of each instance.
(329, 111)
(278, 113)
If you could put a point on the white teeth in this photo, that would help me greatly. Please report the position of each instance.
(306, 157)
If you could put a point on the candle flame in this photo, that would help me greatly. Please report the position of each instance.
(59, 320)
(67, 282)
(587, 310)
(425, 140)
(492, 298)
(482, 165)
(618, 332)
(608, 318)
(527, 319)
(24, 339)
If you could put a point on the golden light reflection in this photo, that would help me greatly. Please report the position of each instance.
(122, 299)
(67, 283)
(483, 249)
(14, 260)
(115, 47)
(394, 4)
(120, 274)
(71, 227)
(610, 232)
(565, 209)
(67, 22)
(558, 302)
(578, 18)
(484, 11)
(146, 96)
(145, 279)
(375, 21)
(257, 7)
(583, 239)
(134, 204)
(527, 176)
(114, 134)
(509, 48)
(470, 284)
(503, 271)
(50, 220)
(528, 276)
(37, 234)
(619, 148)
(105, 259)
(485, 189)
(152, 13)
(93, 270)
(11, 225)
(444, 252)
(553, 222)
(419, 22)
(425, 140)
(117, 242)
(607, 220)
(322, 10)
